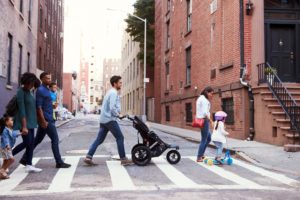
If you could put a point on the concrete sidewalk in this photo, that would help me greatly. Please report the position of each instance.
(261, 154)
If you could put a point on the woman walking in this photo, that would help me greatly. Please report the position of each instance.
(203, 112)
(26, 118)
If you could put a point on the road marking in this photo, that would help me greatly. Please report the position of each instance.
(17, 177)
(229, 175)
(178, 178)
(278, 177)
(119, 176)
(63, 178)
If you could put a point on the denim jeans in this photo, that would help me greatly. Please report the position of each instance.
(28, 143)
(52, 133)
(114, 128)
(205, 139)
(219, 150)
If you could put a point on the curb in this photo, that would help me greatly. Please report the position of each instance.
(65, 122)
(237, 154)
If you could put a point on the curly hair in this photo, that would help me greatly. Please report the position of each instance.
(28, 78)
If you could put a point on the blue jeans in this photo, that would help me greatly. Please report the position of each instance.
(219, 150)
(205, 139)
(114, 128)
(52, 133)
(28, 143)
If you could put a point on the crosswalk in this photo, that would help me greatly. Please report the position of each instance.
(109, 176)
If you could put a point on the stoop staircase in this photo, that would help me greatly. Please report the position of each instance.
(277, 110)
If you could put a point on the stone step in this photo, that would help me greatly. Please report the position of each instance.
(278, 114)
(272, 99)
(268, 94)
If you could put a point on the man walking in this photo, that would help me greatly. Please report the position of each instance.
(111, 110)
(45, 120)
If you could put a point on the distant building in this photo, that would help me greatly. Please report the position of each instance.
(70, 92)
(18, 33)
(111, 67)
(132, 73)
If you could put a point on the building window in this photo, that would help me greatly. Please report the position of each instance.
(40, 58)
(28, 62)
(21, 6)
(29, 12)
(168, 44)
(227, 106)
(137, 67)
(167, 76)
(188, 112)
(9, 64)
(168, 5)
(133, 65)
(188, 65)
(168, 116)
(133, 102)
(41, 18)
(189, 15)
(20, 62)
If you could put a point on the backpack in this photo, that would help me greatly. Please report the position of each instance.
(12, 107)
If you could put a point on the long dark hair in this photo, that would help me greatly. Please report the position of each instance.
(206, 90)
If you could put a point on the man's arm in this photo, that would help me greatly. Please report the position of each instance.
(40, 115)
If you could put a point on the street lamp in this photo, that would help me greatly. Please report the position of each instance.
(145, 58)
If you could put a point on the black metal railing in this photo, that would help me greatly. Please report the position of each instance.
(267, 74)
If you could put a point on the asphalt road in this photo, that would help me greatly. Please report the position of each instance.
(158, 180)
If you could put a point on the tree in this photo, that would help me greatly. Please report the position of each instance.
(135, 27)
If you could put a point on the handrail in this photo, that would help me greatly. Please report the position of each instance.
(267, 74)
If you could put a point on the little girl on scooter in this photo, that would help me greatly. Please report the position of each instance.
(218, 135)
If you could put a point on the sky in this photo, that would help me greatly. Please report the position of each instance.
(97, 26)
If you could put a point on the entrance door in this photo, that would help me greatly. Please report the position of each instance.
(281, 51)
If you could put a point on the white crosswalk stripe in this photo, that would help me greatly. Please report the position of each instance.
(122, 180)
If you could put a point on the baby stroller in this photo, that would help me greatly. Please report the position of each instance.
(151, 145)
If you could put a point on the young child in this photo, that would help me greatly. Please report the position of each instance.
(53, 89)
(8, 140)
(219, 133)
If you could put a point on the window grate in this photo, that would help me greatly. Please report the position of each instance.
(188, 112)
(228, 107)
(168, 116)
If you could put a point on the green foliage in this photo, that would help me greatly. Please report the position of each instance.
(135, 27)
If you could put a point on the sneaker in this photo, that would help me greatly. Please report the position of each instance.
(7, 170)
(126, 161)
(30, 168)
(201, 159)
(62, 165)
(89, 161)
(23, 162)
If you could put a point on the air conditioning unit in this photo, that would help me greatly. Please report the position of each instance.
(3, 69)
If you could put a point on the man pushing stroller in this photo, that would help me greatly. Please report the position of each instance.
(111, 111)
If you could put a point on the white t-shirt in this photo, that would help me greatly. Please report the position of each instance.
(219, 134)
(202, 107)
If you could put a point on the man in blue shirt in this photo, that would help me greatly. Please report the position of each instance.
(45, 120)
(110, 112)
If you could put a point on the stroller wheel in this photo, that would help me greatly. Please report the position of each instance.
(173, 157)
(141, 155)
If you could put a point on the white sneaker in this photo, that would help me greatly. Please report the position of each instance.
(30, 168)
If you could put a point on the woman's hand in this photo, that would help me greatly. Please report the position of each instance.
(24, 131)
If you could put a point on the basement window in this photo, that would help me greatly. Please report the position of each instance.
(188, 113)
(228, 107)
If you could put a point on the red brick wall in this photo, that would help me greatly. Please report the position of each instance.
(215, 43)
(67, 90)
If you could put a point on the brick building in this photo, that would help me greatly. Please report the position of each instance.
(221, 43)
(70, 91)
(50, 38)
(18, 33)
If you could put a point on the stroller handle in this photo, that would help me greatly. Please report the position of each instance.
(126, 116)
